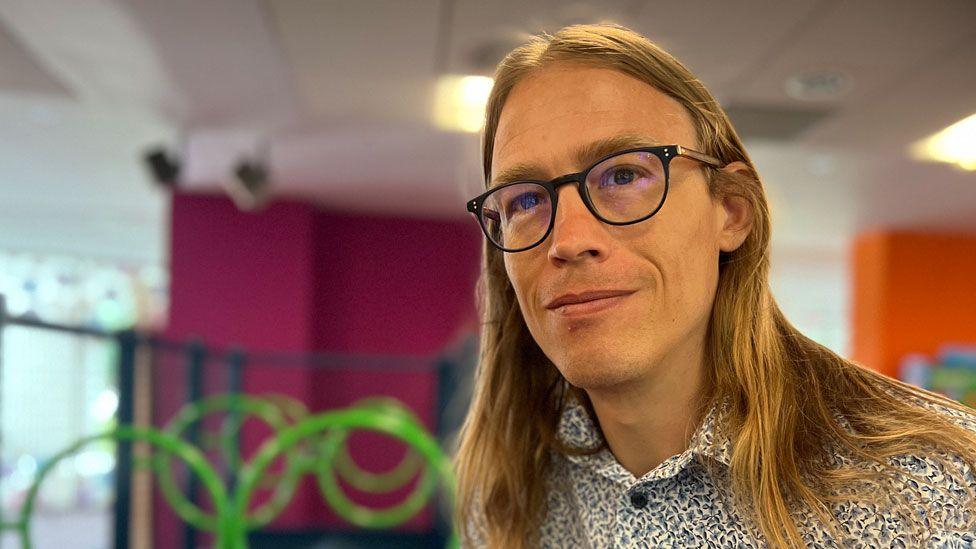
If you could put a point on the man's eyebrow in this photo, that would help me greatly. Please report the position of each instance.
(518, 172)
(584, 155)
(590, 153)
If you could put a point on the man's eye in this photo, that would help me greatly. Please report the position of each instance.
(525, 201)
(619, 176)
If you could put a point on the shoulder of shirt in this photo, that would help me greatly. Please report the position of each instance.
(945, 470)
(965, 419)
(935, 481)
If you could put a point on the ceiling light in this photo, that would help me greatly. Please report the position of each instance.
(818, 85)
(460, 102)
(955, 145)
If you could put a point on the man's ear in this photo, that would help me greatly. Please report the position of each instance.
(736, 216)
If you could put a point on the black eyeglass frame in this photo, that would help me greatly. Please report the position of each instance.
(664, 152)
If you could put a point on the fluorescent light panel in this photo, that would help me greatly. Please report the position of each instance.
(460, 102)
(955, 144)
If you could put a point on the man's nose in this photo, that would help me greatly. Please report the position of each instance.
(576, 234)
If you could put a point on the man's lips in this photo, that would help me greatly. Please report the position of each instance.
(584, 297)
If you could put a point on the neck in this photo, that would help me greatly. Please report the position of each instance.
(650, 419)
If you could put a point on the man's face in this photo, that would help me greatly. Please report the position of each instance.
(669, 262)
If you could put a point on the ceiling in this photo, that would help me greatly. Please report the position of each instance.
(337, 96)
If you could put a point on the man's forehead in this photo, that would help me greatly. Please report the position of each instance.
(558, 116)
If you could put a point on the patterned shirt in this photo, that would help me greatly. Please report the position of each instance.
(594, 502)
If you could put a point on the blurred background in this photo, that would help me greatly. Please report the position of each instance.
(270, 194)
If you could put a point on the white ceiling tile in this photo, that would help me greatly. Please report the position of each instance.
(20, 72)
(371, 59)
(921, 99)
(876, 43)
(721, 42)
(224, 58)
(482, 32)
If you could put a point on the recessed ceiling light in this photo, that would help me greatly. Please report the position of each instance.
(818, 85)
(955, 145)
(822, 165)
(44, 116)
(460, 102)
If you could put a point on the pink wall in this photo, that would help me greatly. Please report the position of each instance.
(393, 286)
(293, 278)
(238, 278)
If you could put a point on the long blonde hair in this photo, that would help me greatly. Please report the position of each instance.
(784, 391)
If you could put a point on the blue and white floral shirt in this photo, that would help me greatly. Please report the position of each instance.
(594, 502)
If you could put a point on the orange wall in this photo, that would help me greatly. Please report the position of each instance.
(912, 292)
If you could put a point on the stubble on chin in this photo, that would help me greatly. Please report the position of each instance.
(593, 373)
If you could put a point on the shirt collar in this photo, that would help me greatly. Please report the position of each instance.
(576, 429)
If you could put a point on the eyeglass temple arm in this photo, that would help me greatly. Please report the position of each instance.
(710, 160)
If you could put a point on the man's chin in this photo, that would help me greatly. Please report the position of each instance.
(593, 374)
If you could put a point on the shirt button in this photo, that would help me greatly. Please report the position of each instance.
(638, 500)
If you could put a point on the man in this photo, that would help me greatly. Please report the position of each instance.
(638, 385)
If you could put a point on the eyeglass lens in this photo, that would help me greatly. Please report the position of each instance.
(623, 188)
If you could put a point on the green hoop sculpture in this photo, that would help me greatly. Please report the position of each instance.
(309, 444)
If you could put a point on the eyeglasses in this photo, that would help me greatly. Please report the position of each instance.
(624, 188)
